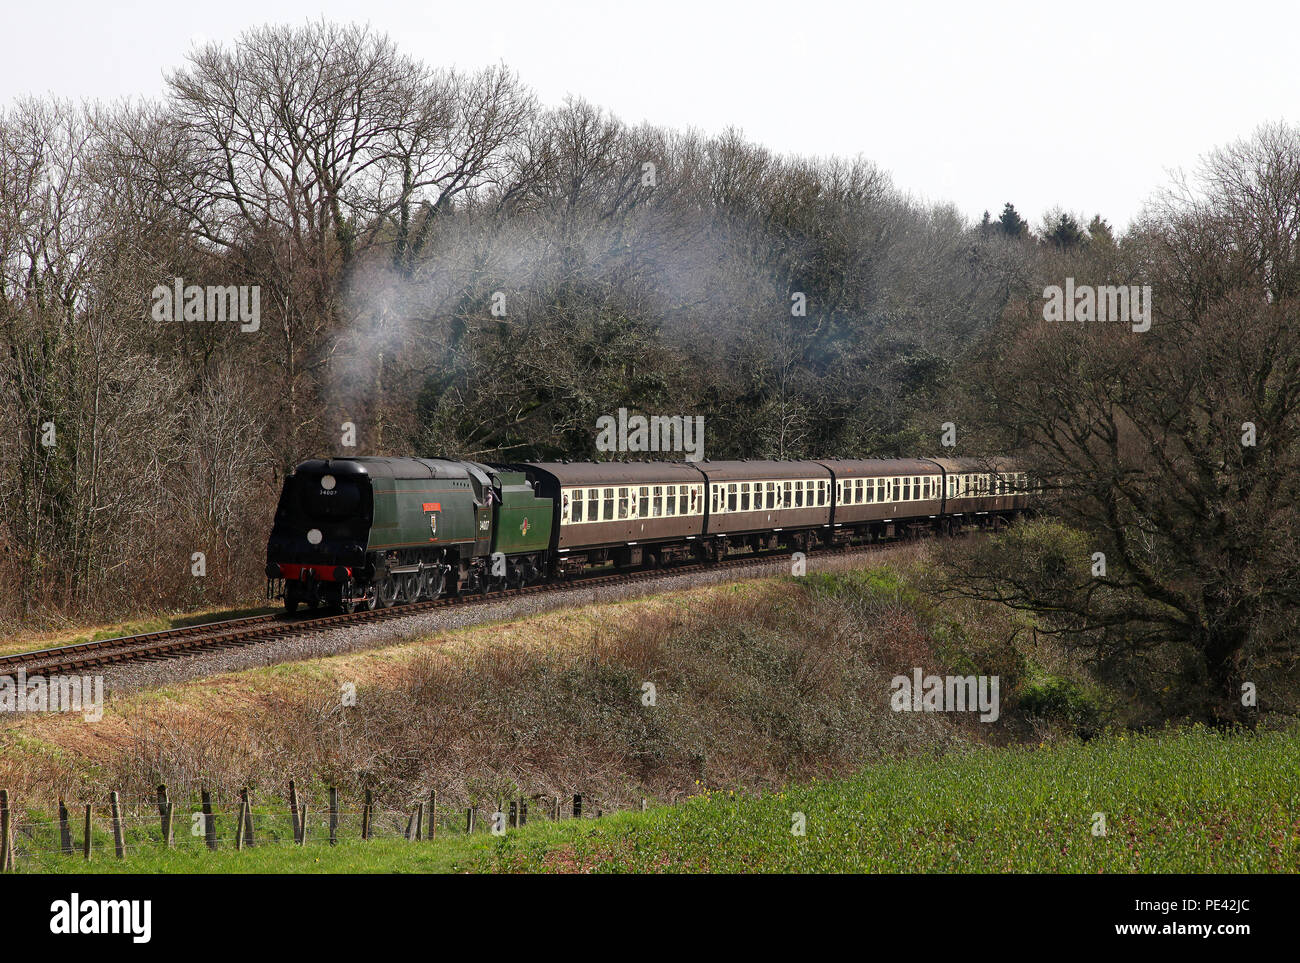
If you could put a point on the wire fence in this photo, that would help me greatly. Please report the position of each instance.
(207, 823)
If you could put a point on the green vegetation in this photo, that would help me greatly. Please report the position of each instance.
(1181, 801)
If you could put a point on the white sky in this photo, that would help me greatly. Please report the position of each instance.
(978, 103)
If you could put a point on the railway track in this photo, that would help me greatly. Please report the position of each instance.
(193, 639)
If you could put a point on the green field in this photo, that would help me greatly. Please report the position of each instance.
(1190, 801)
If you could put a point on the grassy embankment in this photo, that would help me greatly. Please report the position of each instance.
(1190, 801)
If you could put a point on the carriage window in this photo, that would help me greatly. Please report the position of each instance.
(577, 505)
(787, 499)
(771, 494)
(717, 498)
(731, 497)
(681, 501)
(869, 493)
(670, 506)
(857, 491)
(644, 510)
(658, 500)
(624, 503)
(744, 496)
(907, 489)
(607, 508)
(821, 492)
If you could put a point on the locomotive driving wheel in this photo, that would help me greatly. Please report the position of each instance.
(387, 590)
(431, 581)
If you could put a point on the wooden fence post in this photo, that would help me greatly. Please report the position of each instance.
(433, 813)
(5, 845)
(302, 825)
(293, 812)
(119, 842)
(577, 805)
(514, 815)
(246, 824)
(523, 812)
(165, 818)
(162, 810)
(169, 825)
(65, 830)
(85, 842)
(643, 804)
(334, 816)
(239, 824)
(209, 820)
(469, 820)
(365, 815)
(419, 820)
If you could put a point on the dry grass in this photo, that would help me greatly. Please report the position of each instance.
(757, 683)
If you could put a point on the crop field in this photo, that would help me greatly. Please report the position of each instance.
(1189, 801)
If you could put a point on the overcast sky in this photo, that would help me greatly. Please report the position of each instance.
(1088, 107)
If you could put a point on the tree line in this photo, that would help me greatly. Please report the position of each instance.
(445, 266)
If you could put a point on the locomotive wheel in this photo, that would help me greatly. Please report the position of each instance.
(387, 590)
(431, 582)
(410, 588)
